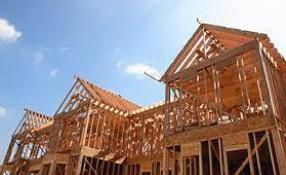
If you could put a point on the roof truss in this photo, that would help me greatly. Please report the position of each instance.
(207, 42)
(31, 120)
(78, 94)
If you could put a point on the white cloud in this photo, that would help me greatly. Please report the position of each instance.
(38, 58)
(44, 49)
(139, 69)
(8, 32)
(53, 72)
(3, 112)
(63, 49)
(119, 64)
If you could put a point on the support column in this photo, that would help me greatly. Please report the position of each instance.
(85, 126)
(201, 159)
(281, 159)
(78, 166)
(52, 168)
(167, 115)
(221, 161)
(250, 160)
(210, 157)
(165, 161)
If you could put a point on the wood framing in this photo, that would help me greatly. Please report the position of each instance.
(223, 114)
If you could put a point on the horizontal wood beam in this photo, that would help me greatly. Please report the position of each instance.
(214, 132)
(221, 60)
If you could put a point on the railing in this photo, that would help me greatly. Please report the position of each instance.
(234, 92)
(224, 89)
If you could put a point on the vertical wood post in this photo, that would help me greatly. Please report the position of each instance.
(271, 153)
(210, 157)
(79, 163)
(225, 163)
(221, 162)
(86, 123)
(250, 157)
(174, 160)
(201, 160)
(257, 153)
(167, 114)
(165, 161)
(279, 151)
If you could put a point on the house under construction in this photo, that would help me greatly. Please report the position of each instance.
(224, 114)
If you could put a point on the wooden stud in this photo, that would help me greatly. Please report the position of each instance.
(257, 154)
(221, 162)
(210, 157)
(250, 160)
(271, 153)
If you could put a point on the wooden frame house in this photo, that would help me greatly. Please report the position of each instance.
(223, 114)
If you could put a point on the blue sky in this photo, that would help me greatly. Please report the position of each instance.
(43, 44)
